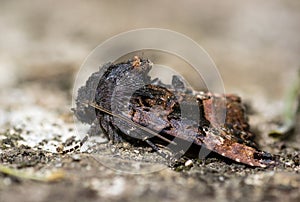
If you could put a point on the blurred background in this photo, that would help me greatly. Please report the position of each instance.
(255, 44)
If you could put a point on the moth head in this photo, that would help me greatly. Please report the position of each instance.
(141, 65)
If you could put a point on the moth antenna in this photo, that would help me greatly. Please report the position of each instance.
(131, 122)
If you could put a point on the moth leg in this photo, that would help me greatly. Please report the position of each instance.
(104, 126)
(157, 149)
(109, 130)
(172, 160)
(114, 132)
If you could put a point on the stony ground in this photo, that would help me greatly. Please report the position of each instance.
(254, 44)
(35, 130)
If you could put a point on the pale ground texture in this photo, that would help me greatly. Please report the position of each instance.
(255, 45)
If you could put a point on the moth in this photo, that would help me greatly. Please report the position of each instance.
(129, 105)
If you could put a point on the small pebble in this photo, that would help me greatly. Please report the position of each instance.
(58, 165)
(60, 148)
(76, 157)
(188, 163)
(7, 181)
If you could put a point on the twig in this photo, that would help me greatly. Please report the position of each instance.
(54, 176)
